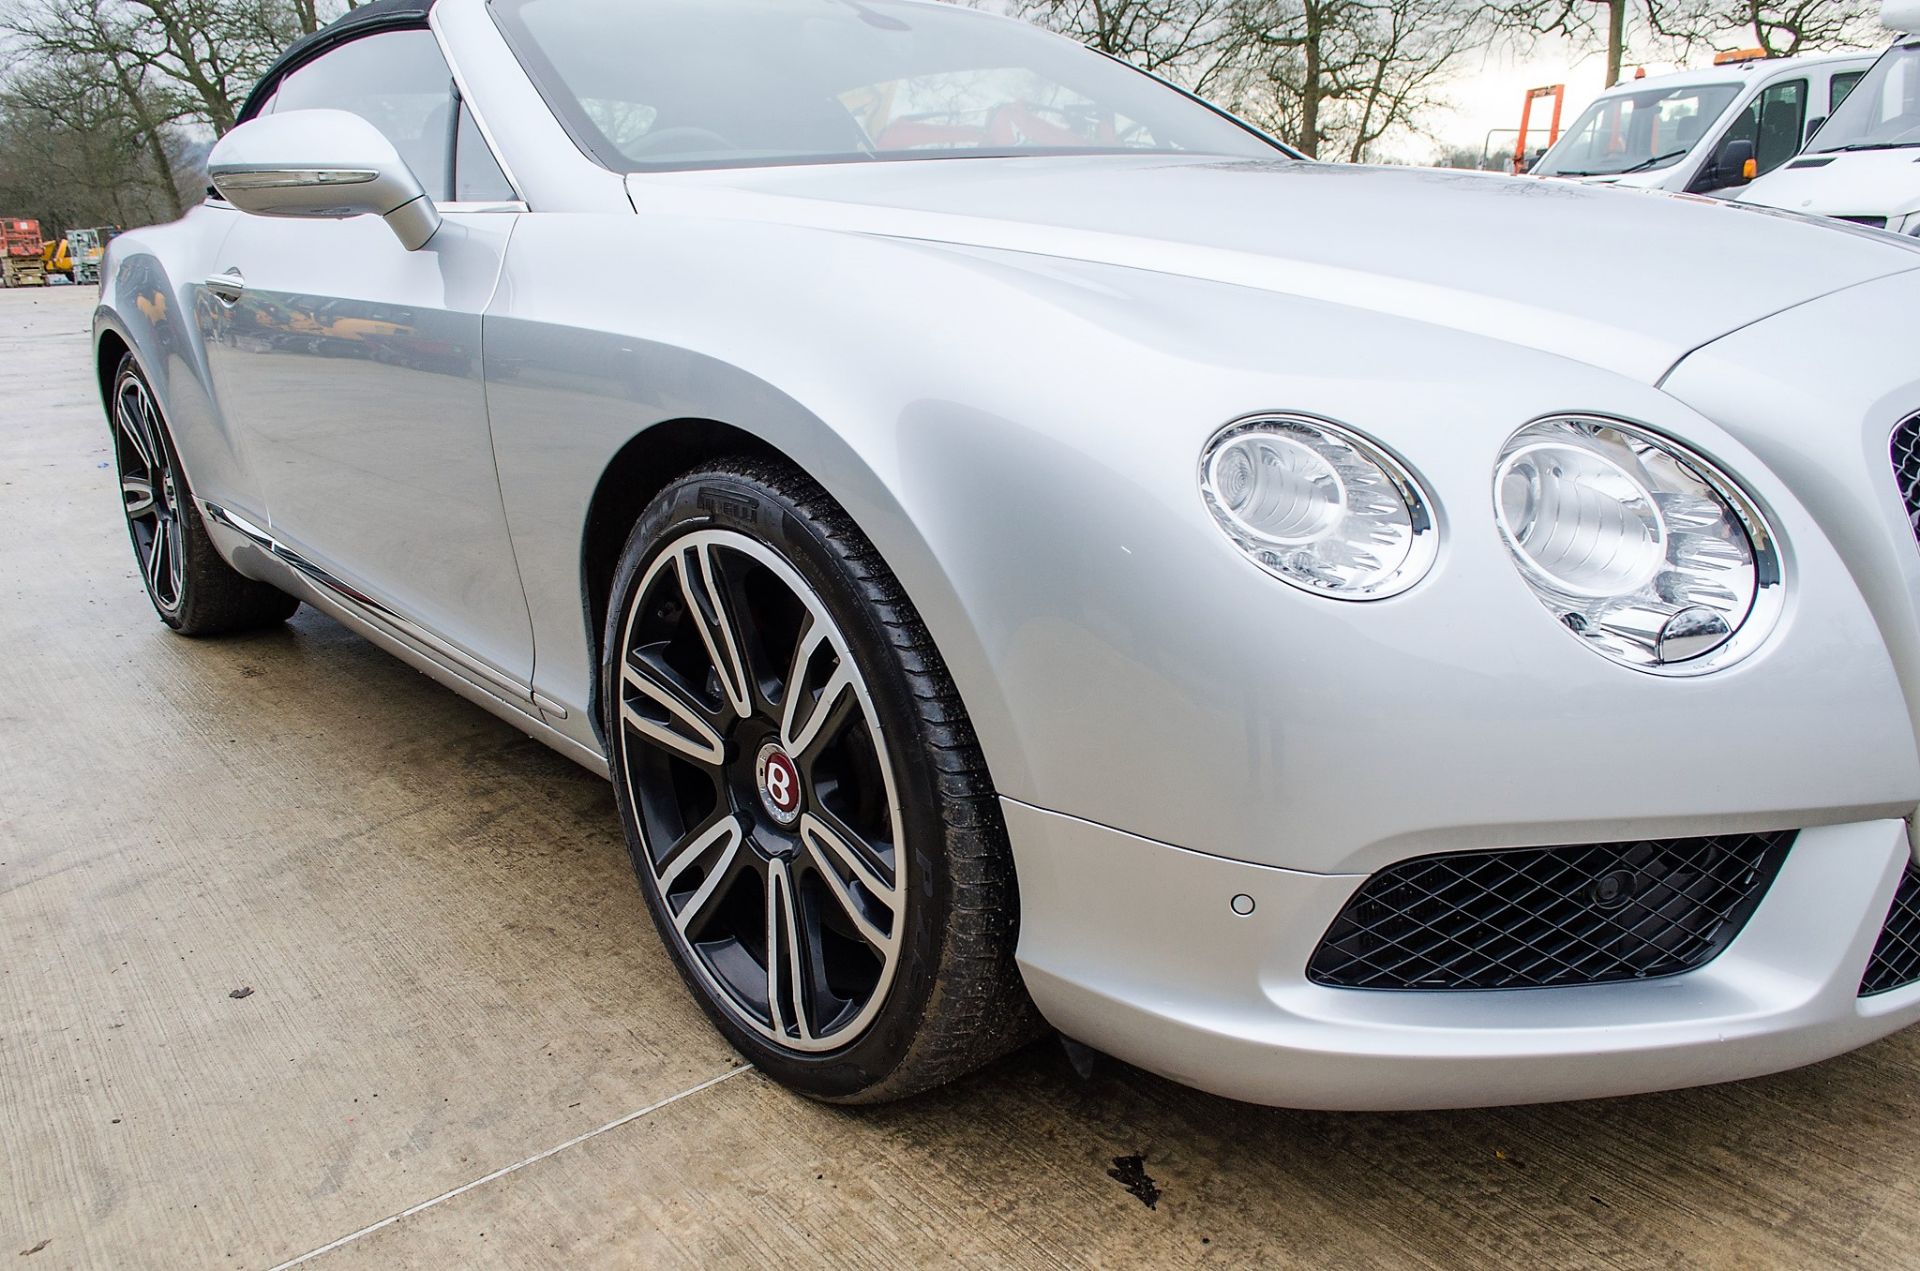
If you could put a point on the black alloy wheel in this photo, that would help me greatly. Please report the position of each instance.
(808, 813)
(193, 590)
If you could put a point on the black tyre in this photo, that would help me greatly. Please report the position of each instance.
(808, 811)
(193, 590)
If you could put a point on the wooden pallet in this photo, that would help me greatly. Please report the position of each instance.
(22, 271)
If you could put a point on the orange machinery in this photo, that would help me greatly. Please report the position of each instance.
(1559, 94)
(20, 249)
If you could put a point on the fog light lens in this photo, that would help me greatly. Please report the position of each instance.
(1641, 548)
(1319, 506)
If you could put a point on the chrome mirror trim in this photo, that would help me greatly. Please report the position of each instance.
(329, 164)
(292, 178)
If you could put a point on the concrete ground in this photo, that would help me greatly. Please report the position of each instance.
(300, 952)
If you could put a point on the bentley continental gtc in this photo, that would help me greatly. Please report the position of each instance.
(1031, 551)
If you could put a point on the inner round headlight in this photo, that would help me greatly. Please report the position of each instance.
(1641, 548)
(1319, 506)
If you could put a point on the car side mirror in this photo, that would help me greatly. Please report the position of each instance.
(321, 163)
(1735, 163)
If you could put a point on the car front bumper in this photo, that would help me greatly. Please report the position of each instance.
(1134, 947)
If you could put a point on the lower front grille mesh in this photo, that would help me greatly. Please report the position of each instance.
(1896, 956)
(1545, 917)
(1906, 468)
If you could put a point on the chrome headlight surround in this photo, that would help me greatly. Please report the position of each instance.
(1319, 506)
(1642, 548)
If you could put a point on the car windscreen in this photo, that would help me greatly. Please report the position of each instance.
(1637, 132)
(647, 85)
(1883, 110)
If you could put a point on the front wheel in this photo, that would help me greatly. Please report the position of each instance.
(808, 812)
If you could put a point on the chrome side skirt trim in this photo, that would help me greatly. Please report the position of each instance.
(507, 696)
(369, 607)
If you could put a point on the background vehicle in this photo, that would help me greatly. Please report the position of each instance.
(1861, 167)
(20, 254)
(56, 259)
(76, 254)
(84, 250)
(1703, 132)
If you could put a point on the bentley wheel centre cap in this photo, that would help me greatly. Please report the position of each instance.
(779, 782)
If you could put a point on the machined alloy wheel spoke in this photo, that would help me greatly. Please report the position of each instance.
(135, 427)
(719, 628)
(138, 493)
(798, 735)
(685, 729)
(833, 857)
(157, 559)
(176, 557)
(786, 983)
(715, 851)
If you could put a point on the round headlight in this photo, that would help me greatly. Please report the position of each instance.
(1318, 506)
(1641, 548)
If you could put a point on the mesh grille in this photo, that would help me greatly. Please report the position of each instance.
(1539, 917)
(1906, 468)
(1896, 957)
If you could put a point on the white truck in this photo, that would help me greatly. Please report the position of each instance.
(1704, 132)
(1864, 166)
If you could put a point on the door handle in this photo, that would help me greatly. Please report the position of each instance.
(228, 286)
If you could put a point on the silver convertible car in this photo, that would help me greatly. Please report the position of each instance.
(1029, 550)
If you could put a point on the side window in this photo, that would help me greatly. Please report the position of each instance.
(1773, 122)
(477, 177)
(1843, 82)
(398, 82)
(1783, 121)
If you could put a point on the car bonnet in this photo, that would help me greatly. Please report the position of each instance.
(1628, 281)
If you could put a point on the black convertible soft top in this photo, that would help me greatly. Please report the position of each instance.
(372, 16)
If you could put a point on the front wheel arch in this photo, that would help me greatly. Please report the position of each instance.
(888, 508)
(637, 473)
(108, 352)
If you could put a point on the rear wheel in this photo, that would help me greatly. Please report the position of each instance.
(193, 590)
(809, 814)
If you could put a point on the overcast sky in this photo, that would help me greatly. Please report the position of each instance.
(1491, 97)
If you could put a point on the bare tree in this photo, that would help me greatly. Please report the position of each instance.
(1692, 27)
(1334, 77)
(1583, 21)
(88, 51)
(1192, 42)
(73, 152)
(119, 82)
(1782, 29)
(200, 56)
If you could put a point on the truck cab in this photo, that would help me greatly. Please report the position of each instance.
(1864, 166)
(1704, 132)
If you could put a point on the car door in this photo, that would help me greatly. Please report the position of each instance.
(1774, 121)
(352, 366)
